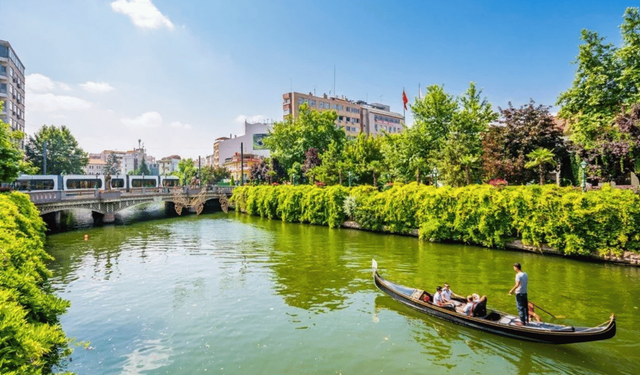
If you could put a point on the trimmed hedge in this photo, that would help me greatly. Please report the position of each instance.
(602, 221)
(31, 339)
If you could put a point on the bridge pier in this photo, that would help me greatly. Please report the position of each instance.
(98, 218)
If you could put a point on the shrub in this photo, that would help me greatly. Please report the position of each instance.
(602, 221)
(31, 339)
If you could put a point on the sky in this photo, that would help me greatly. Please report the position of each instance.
(178, 74)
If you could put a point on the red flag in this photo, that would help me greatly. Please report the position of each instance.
(405, 100)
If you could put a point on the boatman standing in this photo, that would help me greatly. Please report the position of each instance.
(522, 279)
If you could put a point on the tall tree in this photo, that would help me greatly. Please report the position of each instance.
(289, 140)
(143, 168)
(10, 154)
(64, 156)
(607, 78)
(540, 158)
(460, 156)
(212, 175)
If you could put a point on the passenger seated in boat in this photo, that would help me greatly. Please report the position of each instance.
(438, 300)
(467, 308)
(447, 294)
(532, 313)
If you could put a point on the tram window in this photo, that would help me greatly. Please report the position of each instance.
(25, 185)
(117, 183)
(170, 183)
(148, 183)
(91, 183)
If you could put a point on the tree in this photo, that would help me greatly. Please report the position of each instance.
(259, 173)
(211, 175)
(540, 158)
(289, 140)
(311, 161)
(607, 78)
(10, 154)
(64, 156)
(186, 171)
(111, 167)
(143, 169)
(461, 150)
(524, 129)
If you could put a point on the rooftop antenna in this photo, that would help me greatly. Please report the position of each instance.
(314, 90)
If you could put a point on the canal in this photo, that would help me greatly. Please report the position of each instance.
(227, 294)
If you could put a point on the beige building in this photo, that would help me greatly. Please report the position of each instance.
(349, 112)
(95, 166)
(232, 164)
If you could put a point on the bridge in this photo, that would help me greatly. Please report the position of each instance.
(105, 204)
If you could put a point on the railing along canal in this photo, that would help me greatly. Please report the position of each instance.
(43, 197)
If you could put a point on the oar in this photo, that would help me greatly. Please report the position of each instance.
(553, 316)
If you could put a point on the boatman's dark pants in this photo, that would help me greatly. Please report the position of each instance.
(523, 307)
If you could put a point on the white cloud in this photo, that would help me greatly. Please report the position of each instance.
(63, 86)
(145, 120)
(39, 82)
(178, 124)
(50, 103)
(143, 13)
(96, 87)
(250, 119)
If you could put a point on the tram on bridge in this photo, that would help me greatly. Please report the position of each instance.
(84, 183)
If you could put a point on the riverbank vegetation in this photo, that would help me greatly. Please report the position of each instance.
(605, 221)
(31, 338)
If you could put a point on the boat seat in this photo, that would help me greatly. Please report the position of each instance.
(480, 308)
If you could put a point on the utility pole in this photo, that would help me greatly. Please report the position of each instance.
(44, 158)
(199, 173)
(241, 164)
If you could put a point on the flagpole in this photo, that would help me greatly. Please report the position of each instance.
(404, 116)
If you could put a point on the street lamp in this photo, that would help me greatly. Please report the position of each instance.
(584, 179)
(435, 177)
(143, 183)
(349, 178)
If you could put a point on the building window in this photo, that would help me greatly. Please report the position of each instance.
(312, 103)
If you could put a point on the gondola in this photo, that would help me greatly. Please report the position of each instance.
(493, 321)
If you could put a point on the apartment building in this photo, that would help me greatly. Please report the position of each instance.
(168, 164)
(377, 118)
(233, 165)
(12, 88)
(349, 112)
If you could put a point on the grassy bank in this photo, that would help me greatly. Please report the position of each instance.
(605, 221)
(31, 339)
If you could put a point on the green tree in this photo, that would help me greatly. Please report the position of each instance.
(359, 153)
(212, 175)
(461, 150)
(541, 158)
(607, 78)
(289, 140)
(64, 156)
(10, 154)
(143, 169)
(186, 171)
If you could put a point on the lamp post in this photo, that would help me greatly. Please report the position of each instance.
(584, 178)
(143, 191)
(435, 177)
(349, 178)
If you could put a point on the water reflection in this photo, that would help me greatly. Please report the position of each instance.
(148, 355)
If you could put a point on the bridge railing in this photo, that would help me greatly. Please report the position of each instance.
(45, 197)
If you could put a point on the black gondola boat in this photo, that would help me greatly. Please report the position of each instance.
(493, 321)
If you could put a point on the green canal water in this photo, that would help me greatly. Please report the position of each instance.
(227, 294)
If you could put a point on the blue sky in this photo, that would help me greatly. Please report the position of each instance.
(178, 74)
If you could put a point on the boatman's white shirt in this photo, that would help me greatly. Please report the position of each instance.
(524, 280)
(437, 298)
